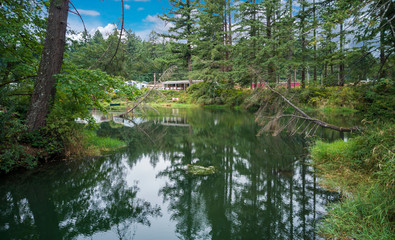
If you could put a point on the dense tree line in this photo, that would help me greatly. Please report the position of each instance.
(330, 41)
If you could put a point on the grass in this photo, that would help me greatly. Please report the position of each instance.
(362, 216)
(99, 145)
(363, 169)
(335, 110)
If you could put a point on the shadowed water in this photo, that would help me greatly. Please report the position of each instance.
(263, 188)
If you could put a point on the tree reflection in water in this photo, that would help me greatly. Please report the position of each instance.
(263, 189)
(80, 198)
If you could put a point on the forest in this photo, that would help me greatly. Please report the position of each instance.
(341, 52)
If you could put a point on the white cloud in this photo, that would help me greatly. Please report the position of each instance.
(127, 7)
(153, 23)
(106, 31)
(88, 12)
(140, 9)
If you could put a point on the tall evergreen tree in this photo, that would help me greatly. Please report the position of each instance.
(182, 17)
(211, 51)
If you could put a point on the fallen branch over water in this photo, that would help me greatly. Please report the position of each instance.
(309, 128)
(165, 75)
(314, 120)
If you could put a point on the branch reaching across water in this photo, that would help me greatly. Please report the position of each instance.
(308, 130)
(164, 76)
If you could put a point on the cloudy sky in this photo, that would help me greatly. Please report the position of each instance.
(140, 16)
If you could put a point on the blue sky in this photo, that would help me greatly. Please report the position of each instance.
(140, 16)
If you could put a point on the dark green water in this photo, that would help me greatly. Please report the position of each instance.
(263, 188)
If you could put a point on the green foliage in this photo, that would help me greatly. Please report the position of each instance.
(379, 100)
(80, 90)
(364, 169)
(21, 34)
(313, 96)
(16, 156)
(209, 93)
(12, 154)
(365, 216)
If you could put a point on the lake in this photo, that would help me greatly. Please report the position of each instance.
(263, 187)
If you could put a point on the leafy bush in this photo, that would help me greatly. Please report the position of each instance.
(312, 96)
(343, 96)
(79, 90)
(379, 100)
(12, 154)
(16, 156)
(210, 93)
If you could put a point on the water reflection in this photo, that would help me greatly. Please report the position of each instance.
(263, 190)
(64, 201)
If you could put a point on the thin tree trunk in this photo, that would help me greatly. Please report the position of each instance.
(290, 53)
(269, 36)
(315, 45)
(303, 74)
(341, 65)
(325, 74)
(189, 53)
(230, 40)
(189, 59)
(382, 53)
(50, 64)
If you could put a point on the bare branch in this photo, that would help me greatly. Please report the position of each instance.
(120, 34)
(17, 80)
(165, 75)
(314, 120)
(77, 13)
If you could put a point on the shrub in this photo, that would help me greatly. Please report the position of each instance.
(379, 100)
(12, 153)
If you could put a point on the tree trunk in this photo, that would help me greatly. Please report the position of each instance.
(315, 46)
(50, 64)
(303, 74)
(269, 11)
(189, 57)
(325, 74)
(230, 39)
(382, 53)
(290, 53)
(341, 66)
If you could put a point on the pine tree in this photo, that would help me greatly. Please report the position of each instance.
(210, 60)
(182, 17)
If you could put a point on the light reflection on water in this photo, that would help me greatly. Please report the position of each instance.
(263, 189)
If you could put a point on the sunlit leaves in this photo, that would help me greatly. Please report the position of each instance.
(79, 90)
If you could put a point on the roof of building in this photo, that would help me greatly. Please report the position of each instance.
(181, 81)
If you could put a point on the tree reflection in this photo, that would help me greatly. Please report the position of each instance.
(263, 188)
(67, 200)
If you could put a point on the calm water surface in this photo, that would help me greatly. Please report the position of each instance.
(263, 188)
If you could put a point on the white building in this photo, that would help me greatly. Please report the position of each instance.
(138, 85)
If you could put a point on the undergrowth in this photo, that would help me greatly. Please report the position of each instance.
(363, 169)
(97, 145)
